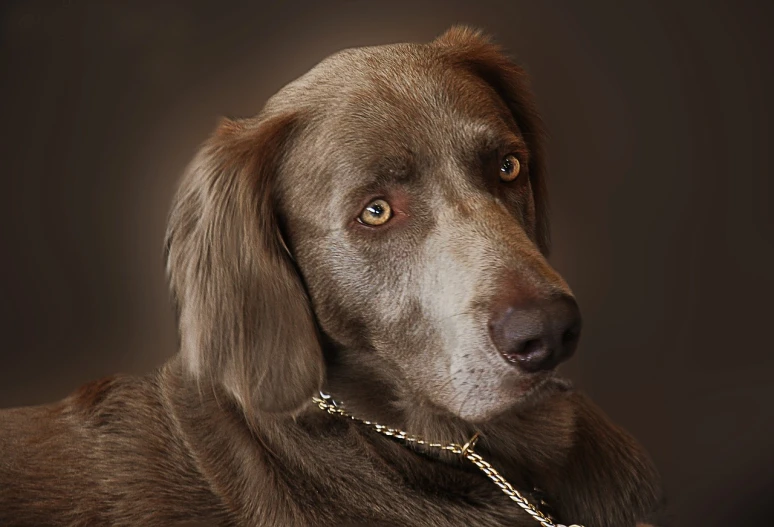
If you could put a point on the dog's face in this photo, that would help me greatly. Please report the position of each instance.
(406, 183)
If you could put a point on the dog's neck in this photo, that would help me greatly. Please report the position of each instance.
(523, 446)
(529, 437)
(454, 456)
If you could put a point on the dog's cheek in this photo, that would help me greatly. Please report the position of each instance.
(330, 274)
(361, 301)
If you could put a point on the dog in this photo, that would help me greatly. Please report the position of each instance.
(378, 232)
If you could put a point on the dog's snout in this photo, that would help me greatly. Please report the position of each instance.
(536, 335)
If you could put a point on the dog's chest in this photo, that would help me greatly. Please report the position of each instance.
(437, 510)
(357, 482)
(379, 498)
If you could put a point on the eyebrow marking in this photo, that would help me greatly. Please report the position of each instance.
(378, 176)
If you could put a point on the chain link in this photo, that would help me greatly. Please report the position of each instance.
(326, 403)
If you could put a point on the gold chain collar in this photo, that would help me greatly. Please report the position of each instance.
(326, 402)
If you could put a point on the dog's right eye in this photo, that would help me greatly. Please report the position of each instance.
(509, 170)
(376, 213)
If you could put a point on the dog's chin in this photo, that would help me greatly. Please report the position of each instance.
(514, 395)
(543, 385)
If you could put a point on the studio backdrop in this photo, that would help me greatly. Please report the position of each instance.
(659, 116)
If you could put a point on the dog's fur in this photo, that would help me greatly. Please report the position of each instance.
(281, 291)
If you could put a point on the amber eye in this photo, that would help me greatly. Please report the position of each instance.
(376, 213)
(509, 170)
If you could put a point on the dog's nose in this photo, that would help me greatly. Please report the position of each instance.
(537, 335)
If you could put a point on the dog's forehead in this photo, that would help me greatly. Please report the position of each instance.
(393, 88)
(416, 95)
(392, 100)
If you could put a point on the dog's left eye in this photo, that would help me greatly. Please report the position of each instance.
(509, 169)
(376, 213)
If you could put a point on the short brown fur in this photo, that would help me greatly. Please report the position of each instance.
(280, 292)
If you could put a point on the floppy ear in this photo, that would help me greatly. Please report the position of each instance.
(470, 49)
(244, 318)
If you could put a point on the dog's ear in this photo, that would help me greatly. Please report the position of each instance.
(244, 318)
(470, 49)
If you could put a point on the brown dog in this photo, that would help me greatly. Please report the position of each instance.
(378, 231)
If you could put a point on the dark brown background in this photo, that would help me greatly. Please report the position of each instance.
(660, 118)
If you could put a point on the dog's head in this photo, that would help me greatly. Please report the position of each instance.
(383, 221)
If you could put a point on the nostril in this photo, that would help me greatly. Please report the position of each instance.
(532, 355)
(530, 349)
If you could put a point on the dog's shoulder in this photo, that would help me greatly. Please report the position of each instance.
(93, 455)
(606, 472)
